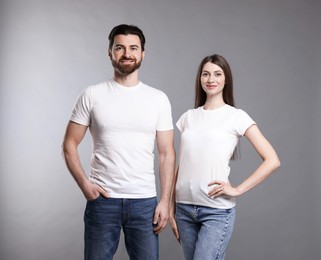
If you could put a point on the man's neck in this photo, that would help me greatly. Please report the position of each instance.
(127, 80)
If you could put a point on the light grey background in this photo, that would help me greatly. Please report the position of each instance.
(51, 50)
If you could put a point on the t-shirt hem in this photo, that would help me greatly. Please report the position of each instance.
(131, 196)
(165, 129)
(251, 124)
(75, 120)
(207, 205)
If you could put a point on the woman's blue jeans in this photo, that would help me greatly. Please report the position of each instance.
(104, 219)
(204, 232)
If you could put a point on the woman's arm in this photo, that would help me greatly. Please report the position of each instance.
(270, 163)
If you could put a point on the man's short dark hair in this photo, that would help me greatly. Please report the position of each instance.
(126, 29)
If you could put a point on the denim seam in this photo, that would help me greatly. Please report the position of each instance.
(223, 235)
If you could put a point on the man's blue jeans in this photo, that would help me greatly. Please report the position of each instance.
(204, 232)
(104, 219)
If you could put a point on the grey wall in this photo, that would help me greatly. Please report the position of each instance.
(51, 50)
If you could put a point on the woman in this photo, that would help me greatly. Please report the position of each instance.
(205, 199)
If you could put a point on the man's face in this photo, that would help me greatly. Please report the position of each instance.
(126, 53)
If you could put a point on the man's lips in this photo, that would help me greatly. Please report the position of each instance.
(126, 61)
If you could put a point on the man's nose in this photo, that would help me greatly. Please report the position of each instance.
(126, 53)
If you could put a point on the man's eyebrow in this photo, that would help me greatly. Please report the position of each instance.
(121, 45)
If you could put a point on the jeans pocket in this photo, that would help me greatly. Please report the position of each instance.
(94, 199)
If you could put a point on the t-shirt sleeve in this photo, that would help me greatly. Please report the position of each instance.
(244, 121)
(81, 111)
(181, 123)
(165, 121)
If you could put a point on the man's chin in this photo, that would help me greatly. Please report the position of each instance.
(126, 70)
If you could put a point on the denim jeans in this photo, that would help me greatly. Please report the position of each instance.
(204, 232)
(104, 219)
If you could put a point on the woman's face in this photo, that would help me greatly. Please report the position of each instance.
(212, 79)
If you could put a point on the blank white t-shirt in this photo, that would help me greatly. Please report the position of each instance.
(123, 122)
(208, 140)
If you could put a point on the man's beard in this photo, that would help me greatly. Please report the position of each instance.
(126, 69)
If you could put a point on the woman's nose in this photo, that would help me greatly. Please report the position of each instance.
(211, 78)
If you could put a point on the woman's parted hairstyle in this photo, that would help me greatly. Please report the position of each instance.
(126, 29)
(200, 95)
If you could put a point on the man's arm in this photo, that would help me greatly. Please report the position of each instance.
(73, 137)
(166, 157)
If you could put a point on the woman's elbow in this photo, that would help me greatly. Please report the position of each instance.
(276, 163)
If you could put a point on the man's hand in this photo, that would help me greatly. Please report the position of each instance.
(160, 217)
(93, 191)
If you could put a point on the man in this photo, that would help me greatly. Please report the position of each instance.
(124, 117)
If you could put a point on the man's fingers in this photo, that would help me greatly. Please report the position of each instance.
(160, 225)
(103, 192)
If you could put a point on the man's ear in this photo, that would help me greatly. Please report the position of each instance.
(109, 53)
(143, 55)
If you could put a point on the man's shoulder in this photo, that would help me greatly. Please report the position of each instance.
(95, 86)
(152, 90)
(99, 85)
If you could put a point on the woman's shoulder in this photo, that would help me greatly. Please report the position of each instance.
(234, 110)
(191, 112)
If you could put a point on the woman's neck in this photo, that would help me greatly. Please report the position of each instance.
(213, 103)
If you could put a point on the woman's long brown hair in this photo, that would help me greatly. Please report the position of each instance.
(200, 95)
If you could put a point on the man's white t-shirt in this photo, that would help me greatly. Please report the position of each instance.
(123, 122)
(208, 140)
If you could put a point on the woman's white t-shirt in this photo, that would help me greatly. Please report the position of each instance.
(208, 140)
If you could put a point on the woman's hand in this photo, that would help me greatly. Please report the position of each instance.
(172, 222)
(222, 188)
